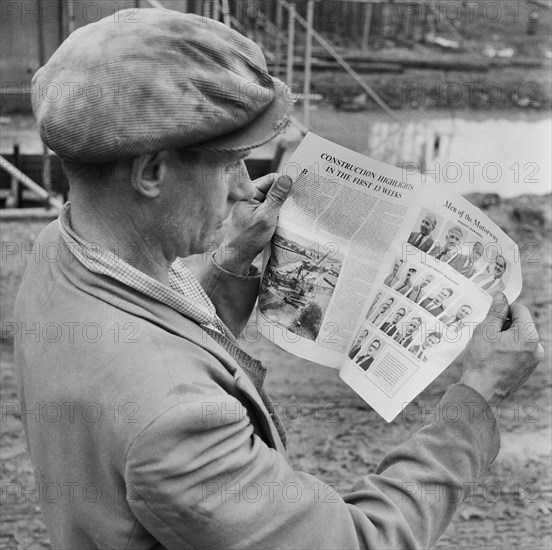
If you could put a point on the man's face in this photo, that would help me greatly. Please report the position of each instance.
(411, 328)
(398, 316)
(477, 252)
(386, 305)
(409, 273)
(362, 336)
(453, 238)
(198, 194)
(426, 281)
(443, 295)
(396, 267)
(426, 227)
(500, 267)
(374, 346)
(463, 312)
(430, 341)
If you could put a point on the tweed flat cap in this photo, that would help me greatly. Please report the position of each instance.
(153, 79)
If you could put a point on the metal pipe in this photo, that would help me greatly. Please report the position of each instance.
(225, 12)
(70, 17)
(61, 26)
(156, 4)
(328, 47)
(308, 61)
(291, 43)
(28, 182)
(278, 42)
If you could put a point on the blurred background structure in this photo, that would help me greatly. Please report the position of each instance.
(394, 59)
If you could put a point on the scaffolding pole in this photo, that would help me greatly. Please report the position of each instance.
(292, 15)
(278, 40)
(308, 61)
(29, 183)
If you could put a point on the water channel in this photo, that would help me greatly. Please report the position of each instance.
(504, 152)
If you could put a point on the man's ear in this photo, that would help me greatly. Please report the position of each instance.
(148, 173)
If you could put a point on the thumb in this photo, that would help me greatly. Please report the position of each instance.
(279, 191)
(499, 310)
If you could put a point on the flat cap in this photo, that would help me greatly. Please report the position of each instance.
(152, 79)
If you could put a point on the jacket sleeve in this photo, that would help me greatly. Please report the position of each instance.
(233, 295)
(202, 479)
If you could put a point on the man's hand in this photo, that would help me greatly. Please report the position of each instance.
(497, 362)
(252, 224)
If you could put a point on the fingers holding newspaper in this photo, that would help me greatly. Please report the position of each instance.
(498, 361)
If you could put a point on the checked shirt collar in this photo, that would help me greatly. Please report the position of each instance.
(184, 294)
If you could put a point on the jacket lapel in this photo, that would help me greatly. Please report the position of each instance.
(135, 303)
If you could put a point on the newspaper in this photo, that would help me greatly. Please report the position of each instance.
(381, 275)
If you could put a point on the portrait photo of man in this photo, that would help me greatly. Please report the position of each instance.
(419, 351)
(450, 252)
(491, 280)
(393, 277)
(410, 328)
(405, 285)
(390, 327)
(456, 322)
(365, 360)
(355, 348)
(434, 305)
(374, 304)
(419, 290)
(422, 239)
(382, 312)
(468, 267)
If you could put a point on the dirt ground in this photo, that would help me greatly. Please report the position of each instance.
(332, 432)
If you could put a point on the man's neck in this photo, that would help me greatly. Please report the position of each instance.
(117, 231)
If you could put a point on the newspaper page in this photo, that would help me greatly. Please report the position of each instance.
(448, 260)
(381, 275)
(341, 218)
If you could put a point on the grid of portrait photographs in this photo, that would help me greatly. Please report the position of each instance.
(416, 308)
(461, 249)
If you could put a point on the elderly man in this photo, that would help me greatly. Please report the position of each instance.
(423, 239)
(165, 426)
